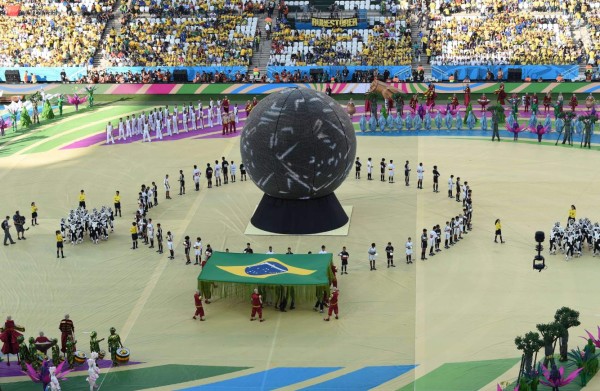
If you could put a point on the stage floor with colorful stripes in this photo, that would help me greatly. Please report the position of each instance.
(447, 323)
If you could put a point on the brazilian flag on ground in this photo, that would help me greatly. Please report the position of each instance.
(237, 274)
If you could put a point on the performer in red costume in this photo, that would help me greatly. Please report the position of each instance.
(454, 102)
(467, 95)
(248, 108)
(414, 101)
(333, 304)
(430, 94)
(573, 103)
(483, 101)
(9, 337)
(256, 306)
(547, 101)
(42, 343)
(225, 104)
(527, 102)
(254, 102)
(67, 328)
(501, 94)
(199, 308)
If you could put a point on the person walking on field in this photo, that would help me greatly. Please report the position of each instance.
(199, 308)
(333, 304)
(498, 231)
(6, 228)
(256, 300)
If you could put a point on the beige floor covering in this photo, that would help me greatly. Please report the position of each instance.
(467, 303)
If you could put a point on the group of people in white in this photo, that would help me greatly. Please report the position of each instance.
(455, 227)
(165, 121)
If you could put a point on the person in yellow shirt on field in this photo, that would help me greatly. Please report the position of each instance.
(498, 231)
(82, 199)
(572, 215)
(134, 235)
(59, 244)
(117, 202)
(34, 214)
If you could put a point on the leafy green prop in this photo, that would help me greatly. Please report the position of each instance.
(550, 333)
(567, 318)
(529, 344)
(587, 360)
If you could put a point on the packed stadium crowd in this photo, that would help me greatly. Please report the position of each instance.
(154, 33)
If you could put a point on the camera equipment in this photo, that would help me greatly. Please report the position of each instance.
(539, 263)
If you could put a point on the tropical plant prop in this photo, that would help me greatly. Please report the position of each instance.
(550, 333)
(25, 118)
(530, 380)
(595, 340)
(567, 318)
(47, 112)
(398, 97)
(591, 118)
(529, 344)
(505, 387)
(499, 110)
(555, 379)
(586, 360)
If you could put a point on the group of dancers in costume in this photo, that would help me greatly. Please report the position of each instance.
(426, 116)
(97, 224)
(570, 240)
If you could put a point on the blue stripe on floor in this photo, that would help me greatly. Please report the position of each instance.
(267, 380)
(363, 379)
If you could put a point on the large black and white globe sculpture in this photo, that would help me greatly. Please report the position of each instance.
(298, 145)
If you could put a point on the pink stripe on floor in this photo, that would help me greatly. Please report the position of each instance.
(127, 88)
(160, 89)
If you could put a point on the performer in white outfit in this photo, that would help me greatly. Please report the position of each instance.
(128, 131)
(122, 130)
(193, 117)
(209, 117)
(184, 119)
(146, 134)
(168, 123)
(175, 123)
(109, 135)
(158, 129)
(235, 113)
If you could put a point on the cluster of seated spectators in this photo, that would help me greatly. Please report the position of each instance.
(518, 38)
(220, 37)
(46, 33)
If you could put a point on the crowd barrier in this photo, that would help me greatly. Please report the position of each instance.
(191, 71)
(45, 74)
(402, 72)
(546, 72)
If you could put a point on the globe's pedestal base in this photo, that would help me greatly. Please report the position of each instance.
(299, 217)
